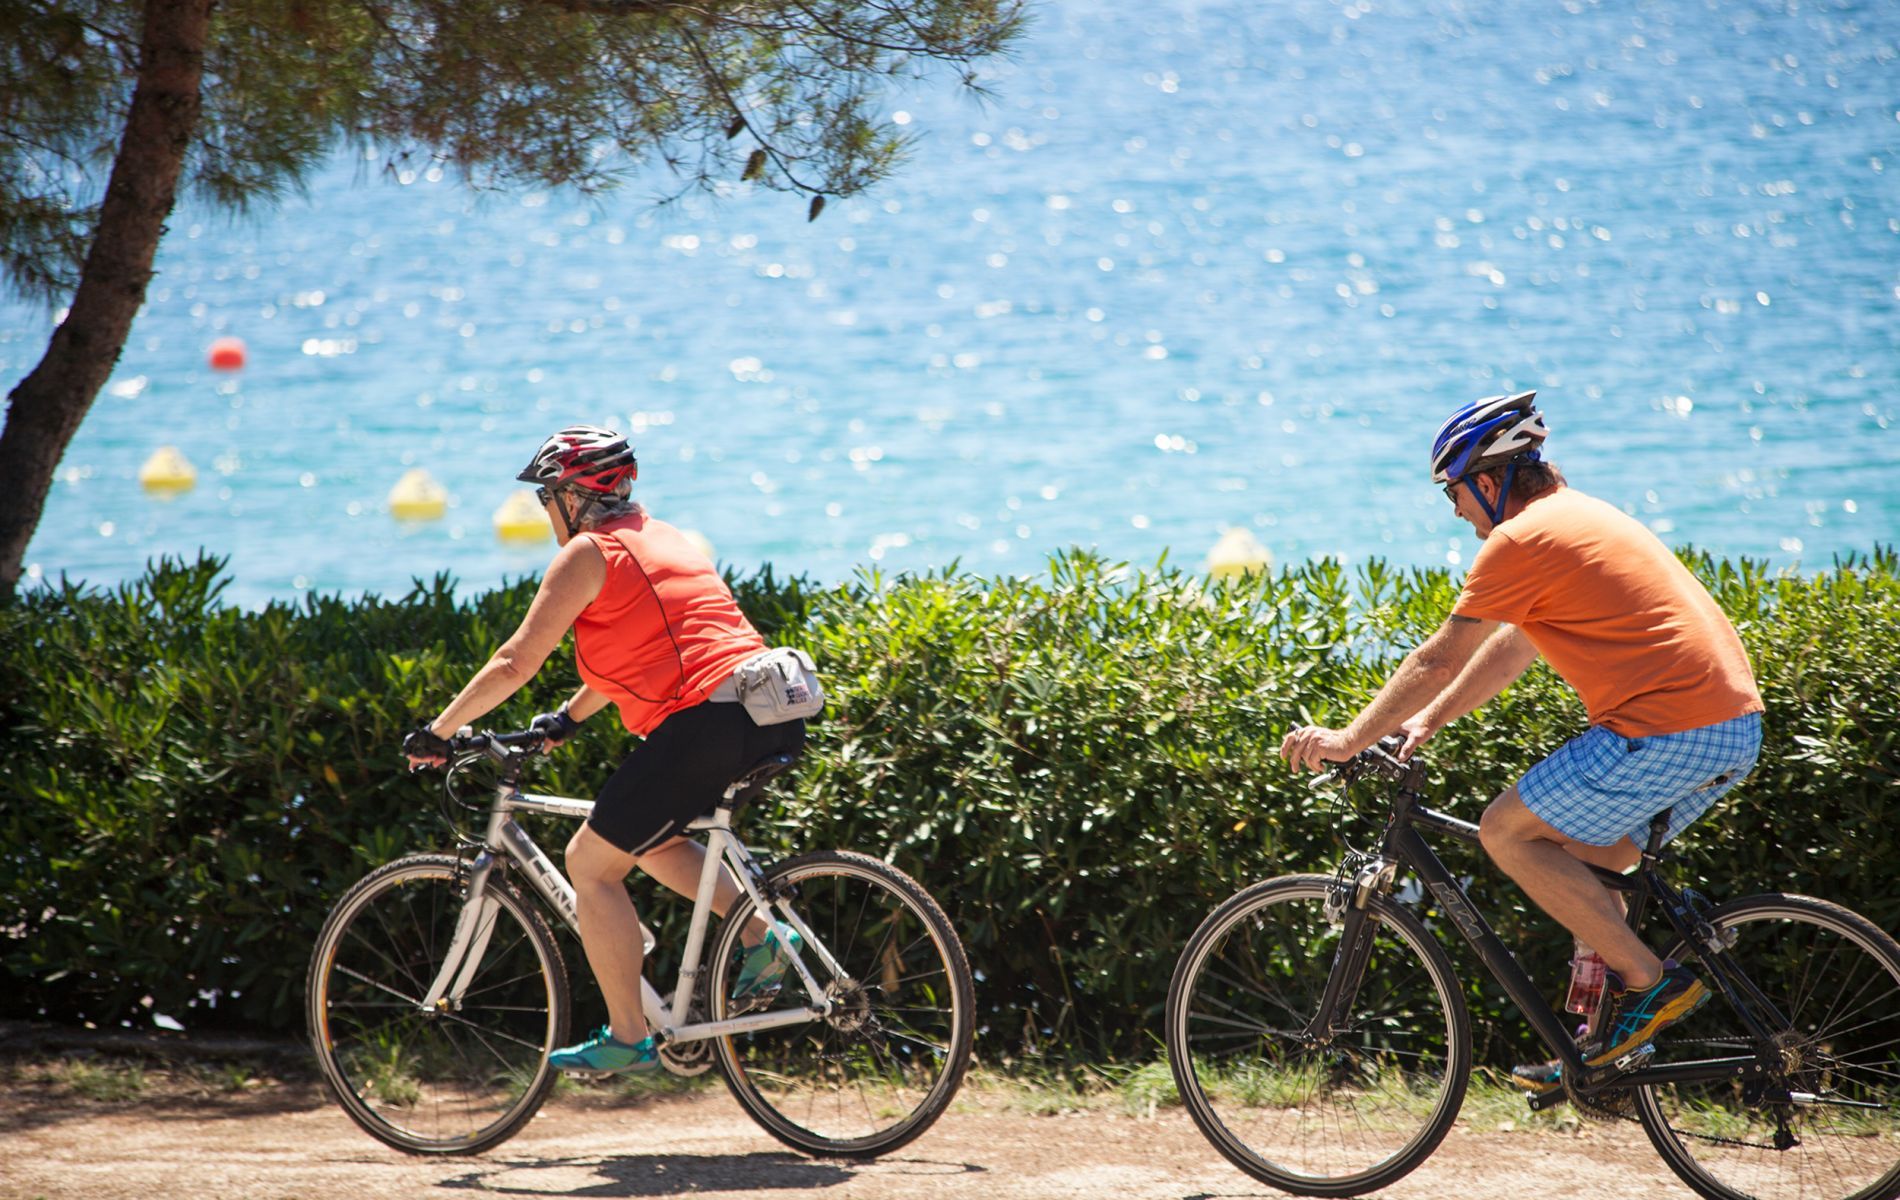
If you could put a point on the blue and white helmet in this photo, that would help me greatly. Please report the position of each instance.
(1488, 433)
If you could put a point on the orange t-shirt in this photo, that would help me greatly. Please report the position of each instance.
(665, 630)
(1614, 613)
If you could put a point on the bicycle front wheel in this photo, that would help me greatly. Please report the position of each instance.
(463, 1076)
(877, 1071)
(1826, 1123)
(1316, 1114)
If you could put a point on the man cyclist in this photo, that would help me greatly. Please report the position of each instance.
(1674, 715)
(657, 633)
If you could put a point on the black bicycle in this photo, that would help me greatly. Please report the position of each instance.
(1320, 1039)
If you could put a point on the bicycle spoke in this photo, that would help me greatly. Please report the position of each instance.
(1837, 982)
(456, 1077)
(1355, 1112)
(881, 1066)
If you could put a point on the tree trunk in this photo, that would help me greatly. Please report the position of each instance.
(45, 410)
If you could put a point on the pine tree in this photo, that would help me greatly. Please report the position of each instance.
(109, 107)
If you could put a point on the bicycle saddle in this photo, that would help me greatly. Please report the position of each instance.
(754, 777)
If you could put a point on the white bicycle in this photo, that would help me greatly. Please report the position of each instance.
(437, 989)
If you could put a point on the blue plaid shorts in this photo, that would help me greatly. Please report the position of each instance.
(1601, 787)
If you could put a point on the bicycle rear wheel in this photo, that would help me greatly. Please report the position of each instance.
(885, 1064)
(1828, 1124)
(1333, 1118)
(456, 1080)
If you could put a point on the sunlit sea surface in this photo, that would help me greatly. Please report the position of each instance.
(1196, 266)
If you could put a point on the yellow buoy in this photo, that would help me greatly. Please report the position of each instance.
(168, 471)
(699, 541)
(521, 519)
(417, 497)
(1236, 553)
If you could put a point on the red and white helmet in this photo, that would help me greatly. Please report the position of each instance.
(583, 456)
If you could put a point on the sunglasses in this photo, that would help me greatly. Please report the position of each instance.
(1451, 491)
(544, 496)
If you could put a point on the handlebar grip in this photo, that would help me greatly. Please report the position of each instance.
(526, 737)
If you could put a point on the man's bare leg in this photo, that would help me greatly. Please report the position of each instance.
(1551, 869)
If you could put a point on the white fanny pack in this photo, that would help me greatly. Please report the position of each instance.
(776, 686)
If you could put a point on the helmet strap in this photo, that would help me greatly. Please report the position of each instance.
(560, 510)
(1504, 494)
(587, 506)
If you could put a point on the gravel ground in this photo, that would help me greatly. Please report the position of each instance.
(208, 1135)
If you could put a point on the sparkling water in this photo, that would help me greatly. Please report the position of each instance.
(1194, 267)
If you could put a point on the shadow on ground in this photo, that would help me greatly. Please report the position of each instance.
(676, 1174)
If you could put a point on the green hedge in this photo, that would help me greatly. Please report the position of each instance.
(1079, 765)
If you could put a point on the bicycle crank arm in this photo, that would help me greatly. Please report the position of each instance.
(1546, 1101)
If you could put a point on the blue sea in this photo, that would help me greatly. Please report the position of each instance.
(1193, 266)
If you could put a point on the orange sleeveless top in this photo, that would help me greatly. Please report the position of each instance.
(664, 631)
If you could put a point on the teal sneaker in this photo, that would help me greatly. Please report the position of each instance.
(602, 1055)
(763, 968)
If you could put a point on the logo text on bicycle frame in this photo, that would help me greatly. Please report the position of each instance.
(1458, 908)
(547, 879)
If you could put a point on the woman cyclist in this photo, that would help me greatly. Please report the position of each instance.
(656, 632)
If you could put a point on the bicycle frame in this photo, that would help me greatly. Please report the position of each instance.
(505, 838)
(1403, 845)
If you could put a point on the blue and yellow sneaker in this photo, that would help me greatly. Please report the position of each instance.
(603, 1055)
(763, 968)
(1637, 1017)
(1538, 1078)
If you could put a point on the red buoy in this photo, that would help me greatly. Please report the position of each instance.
(226, 354)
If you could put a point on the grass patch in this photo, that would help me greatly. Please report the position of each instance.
(654, 1085)
(218, 1079)
(1145, 1090)
(1494, 1105)
(1148, 1088)
(107, 1082)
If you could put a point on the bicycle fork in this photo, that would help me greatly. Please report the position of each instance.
(1346, 906)
(474, 925)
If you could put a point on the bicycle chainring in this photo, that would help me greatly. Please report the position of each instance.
(687, 1059)
(1616, 1104)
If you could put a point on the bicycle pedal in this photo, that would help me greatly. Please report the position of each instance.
(1620, 1066)
(1635, 1058)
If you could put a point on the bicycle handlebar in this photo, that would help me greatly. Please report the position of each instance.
(1381, 760)
(469, 744)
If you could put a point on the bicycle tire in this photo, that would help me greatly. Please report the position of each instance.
(457, 1082)
(1271, 1100)
(878, 1072)
(1836, 976)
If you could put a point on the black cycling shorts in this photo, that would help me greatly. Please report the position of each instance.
(682, 769)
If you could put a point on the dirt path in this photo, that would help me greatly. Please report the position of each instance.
(279, 1141)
